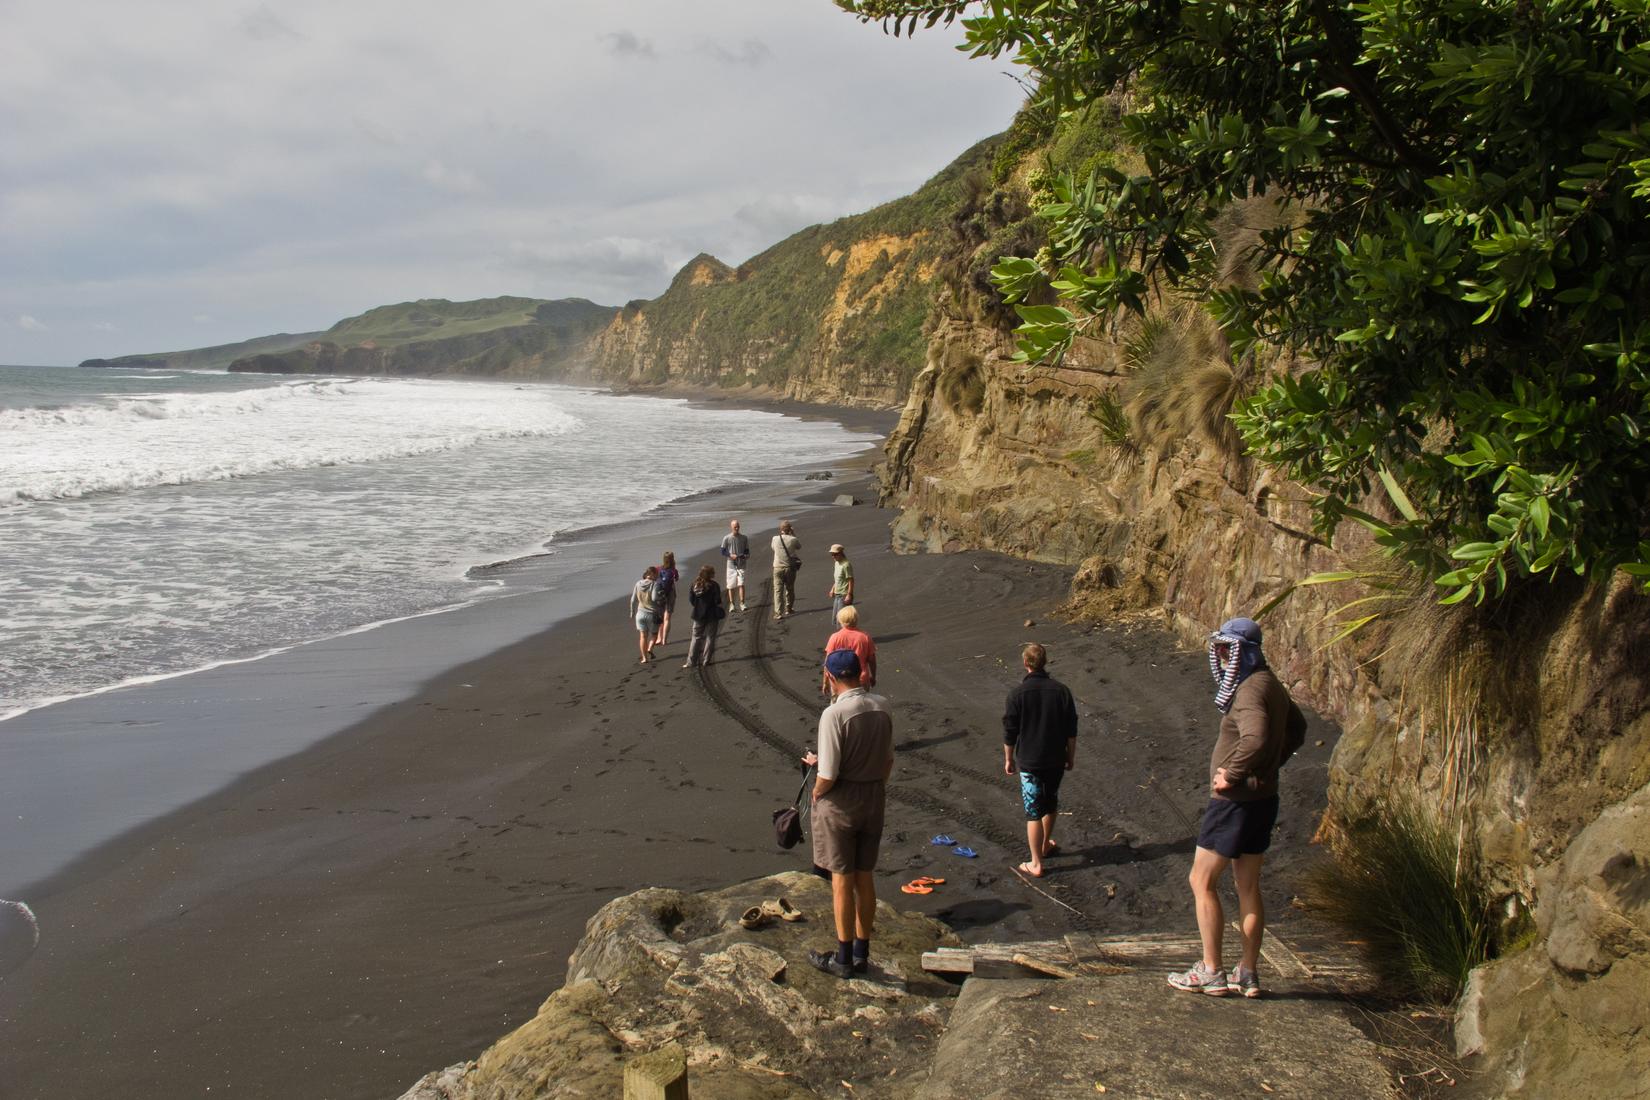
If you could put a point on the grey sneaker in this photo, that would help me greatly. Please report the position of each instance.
(1200, 979)
(1244, 981)
(827, 961)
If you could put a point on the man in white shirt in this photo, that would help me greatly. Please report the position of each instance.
(737, 549)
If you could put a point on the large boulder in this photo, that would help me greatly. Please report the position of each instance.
(1570, 1016)
(756, 1021)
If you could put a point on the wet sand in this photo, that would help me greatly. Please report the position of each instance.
(393, 899)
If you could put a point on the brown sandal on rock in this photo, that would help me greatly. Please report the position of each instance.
(780, 909)
(754, 917)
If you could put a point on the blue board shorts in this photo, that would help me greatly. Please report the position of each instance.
(1234, 829)
(1040, 791)
(645, 622)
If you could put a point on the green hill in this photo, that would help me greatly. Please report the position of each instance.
(490, 336)
(213, 358)
(832, 313)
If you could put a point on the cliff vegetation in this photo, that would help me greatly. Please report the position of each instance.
(1345, 329)
(216, 357)
(833, 313)
(491, 336)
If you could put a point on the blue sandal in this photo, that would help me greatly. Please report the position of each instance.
(943, 841)
(965, 852)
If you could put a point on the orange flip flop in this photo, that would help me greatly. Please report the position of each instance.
(926, 881)
(917, 887)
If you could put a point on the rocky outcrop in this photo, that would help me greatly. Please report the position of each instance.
(999, 1044)
(1568, 1016)
(1533, 724)
(833, 314)
(756, 1021)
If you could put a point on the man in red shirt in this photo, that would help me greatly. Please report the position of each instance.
(851, 637)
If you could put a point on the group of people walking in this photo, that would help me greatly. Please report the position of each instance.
(653, 597)
(1260, 728)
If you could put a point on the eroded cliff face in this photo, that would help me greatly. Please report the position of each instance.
(817, 344)
(833, 314)
(1547, 743)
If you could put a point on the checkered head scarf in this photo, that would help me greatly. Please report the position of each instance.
(1241, 637)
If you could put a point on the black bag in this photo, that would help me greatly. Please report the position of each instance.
(1294, 733)
(787, 820)
(790, 558)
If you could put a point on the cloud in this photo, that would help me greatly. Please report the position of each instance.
(279, 165)
(264, 25)
(608, 259)
(751, 52)
(103, 326)
(629, 44)
(202, 318)
(374, 133)
(458, 181)
(775, 217)
(29, 324)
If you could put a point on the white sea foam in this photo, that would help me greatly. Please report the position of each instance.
(216, 518)
(135, 441)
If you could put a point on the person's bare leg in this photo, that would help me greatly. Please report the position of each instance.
(1049, 847)
(664, 629)
(1207, 867)
(1034, 841)
(641, 641)
(1246, 876)
(865, 904)
(842, 906)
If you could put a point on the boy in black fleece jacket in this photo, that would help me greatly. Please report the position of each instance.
(1040, 741)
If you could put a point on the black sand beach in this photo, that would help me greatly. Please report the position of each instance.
(391, 900)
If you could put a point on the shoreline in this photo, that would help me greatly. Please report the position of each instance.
(391, 899)
(111, 758)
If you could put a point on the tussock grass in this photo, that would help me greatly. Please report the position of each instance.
(1182, 383)
(1408, 883)
(1107, 412)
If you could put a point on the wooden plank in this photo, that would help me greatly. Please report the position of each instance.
(1041, 966)
(1084, 947)
(948, 962)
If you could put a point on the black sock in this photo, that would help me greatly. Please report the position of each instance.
(844, 952)
(862, 949)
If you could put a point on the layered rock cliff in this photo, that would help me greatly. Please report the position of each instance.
(833, 314)
(1531, 723)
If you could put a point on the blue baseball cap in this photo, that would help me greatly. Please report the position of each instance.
(1247, 629)
(842, 664)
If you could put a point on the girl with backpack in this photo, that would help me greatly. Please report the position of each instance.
(664, 596)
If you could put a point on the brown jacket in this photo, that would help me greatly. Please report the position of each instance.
(1253, 740)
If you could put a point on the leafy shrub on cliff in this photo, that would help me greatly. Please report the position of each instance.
(1469, 274)
(1407, 884)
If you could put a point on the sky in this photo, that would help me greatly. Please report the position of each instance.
(181, 173)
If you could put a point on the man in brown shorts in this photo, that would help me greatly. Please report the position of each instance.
(856, 756)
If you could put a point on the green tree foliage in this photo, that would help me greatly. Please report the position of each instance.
(1469, 276)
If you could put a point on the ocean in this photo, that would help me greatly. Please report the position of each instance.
(155, 523)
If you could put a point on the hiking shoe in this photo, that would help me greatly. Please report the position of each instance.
(826, 961)
(1244, 981)
(1201, 980)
